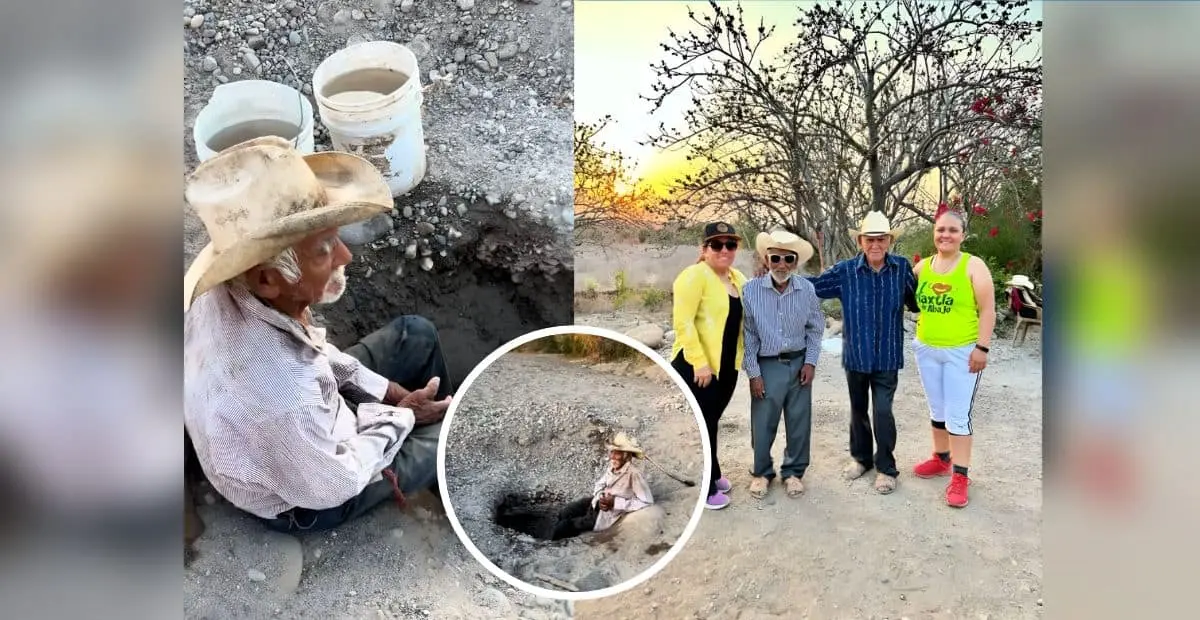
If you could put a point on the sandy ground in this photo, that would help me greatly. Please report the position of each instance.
(843, 551)
(538, 423)
(481, 247)
(643, 265)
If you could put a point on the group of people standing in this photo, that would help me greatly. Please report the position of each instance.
(770, 327)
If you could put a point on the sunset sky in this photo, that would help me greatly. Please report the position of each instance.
(615, 44)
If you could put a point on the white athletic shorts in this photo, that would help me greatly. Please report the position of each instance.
(950, 387)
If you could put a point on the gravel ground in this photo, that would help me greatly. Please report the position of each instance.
(481, 247)
(539, 423)
(489, 226)
(843, 551)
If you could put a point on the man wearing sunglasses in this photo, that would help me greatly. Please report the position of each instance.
(783, 329)
(874, 287)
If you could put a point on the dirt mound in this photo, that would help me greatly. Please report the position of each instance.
(531, 432)
(501, 279)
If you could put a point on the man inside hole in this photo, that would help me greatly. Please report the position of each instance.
(622, 489)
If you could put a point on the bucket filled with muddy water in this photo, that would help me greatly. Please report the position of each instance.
(369, 98)
(248, 109)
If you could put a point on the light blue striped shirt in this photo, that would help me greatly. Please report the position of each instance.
(777, 322)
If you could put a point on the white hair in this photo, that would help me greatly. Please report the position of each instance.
(287, 263)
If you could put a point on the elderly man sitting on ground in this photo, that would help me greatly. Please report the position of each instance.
(287, 427)
(621, 489)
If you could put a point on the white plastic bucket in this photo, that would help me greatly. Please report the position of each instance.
(247, 109)
(369, 98)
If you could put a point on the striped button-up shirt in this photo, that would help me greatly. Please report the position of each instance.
(872, 309)
(264, 409)
(630, 493)
(781, 322)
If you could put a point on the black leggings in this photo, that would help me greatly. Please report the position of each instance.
(713, 399)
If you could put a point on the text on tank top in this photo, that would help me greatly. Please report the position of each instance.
(949, 315)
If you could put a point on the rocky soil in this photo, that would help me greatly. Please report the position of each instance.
(538, 423)
(481, 247)
(490, 224)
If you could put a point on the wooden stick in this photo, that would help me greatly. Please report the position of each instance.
(562, 585)
(690, 483)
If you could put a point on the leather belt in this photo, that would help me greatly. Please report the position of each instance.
(786, 356)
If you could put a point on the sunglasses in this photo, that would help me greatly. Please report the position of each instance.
(716, 245)
(787, 258)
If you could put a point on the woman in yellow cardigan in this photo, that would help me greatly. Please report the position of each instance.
(708, 336)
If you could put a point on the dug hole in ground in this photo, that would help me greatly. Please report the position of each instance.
(481, 247)
(842, 550)
(535, 426)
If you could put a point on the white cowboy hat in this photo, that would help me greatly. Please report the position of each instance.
(783, 240)
(624, 443)
(262, 196)
(1020, 281)
(875, 224)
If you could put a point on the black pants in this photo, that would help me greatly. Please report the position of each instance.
(1027, 312)
(876, 389)
(408, 352)
(713, 399)
(577, 517)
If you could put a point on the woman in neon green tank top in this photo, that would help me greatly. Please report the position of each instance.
(956, 297)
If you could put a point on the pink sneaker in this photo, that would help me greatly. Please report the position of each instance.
(724, 485)
(717, 501)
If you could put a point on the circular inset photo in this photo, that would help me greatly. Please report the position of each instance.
(573, 462)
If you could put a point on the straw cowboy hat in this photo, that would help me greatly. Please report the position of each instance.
(875, 224)
(262, 196)
(624, 443)
(783, 240)
(1020, 281)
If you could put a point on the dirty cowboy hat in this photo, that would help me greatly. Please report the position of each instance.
(624, 443)
(875, 224)
(1020, 281)
(783, 240)
(720, 229)
(262, 196)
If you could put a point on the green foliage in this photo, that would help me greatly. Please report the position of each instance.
(832, 308)
(623, 293)
(582, 346)
(1008, 233)
(591, 288)
(654, 298)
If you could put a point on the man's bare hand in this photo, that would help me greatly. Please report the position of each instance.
(806, 374)
(757, 387)
(395, 394)
(606, 502)
(425, 409)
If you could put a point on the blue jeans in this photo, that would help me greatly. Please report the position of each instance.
(408, 352)
(783, 395)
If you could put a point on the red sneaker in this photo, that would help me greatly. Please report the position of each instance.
(956, 491)
(932, 468)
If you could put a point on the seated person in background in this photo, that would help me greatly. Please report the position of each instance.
(1022, 300)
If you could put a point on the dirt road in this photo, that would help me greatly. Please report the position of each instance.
(843, 551)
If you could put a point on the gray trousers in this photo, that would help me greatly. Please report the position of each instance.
(784, 395)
